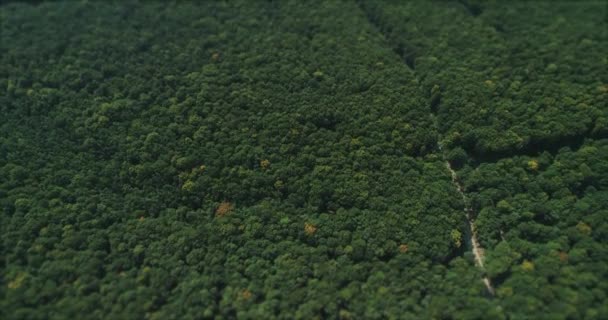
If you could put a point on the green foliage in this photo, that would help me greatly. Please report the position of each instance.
(512, 77)
(264, 159)
(215, 160)
(547, 218)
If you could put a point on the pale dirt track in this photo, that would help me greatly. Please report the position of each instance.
(474, 243)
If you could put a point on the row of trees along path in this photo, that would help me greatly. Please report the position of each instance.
(472, 242)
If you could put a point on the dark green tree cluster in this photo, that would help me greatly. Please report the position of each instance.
(220, 160)
(505, 77)
(519, 91)
(545, 219)
(280, 159)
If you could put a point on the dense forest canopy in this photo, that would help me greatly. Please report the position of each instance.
(303, 159)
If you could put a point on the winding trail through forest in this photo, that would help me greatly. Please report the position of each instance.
(472, 234)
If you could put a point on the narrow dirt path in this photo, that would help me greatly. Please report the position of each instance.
(472, 233)
(472, 242)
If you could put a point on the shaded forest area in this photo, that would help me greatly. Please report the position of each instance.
(281, 159)
(521, 99)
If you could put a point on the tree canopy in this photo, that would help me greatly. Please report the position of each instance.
(293, 159)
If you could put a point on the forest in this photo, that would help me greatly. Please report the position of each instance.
(344, 159)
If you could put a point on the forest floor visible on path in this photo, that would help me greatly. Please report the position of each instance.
(472, 234)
